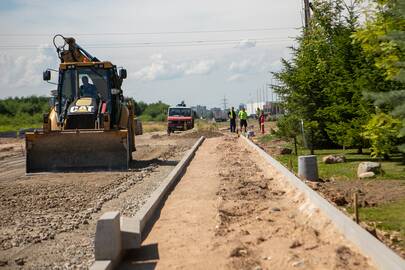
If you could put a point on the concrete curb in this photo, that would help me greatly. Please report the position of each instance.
(115, 235)
(382, 256)
(146, 213)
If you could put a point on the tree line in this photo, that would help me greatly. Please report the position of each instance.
(345, 80)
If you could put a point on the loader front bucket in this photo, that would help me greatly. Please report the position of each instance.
(66, 151)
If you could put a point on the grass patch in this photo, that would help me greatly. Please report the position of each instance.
(153, 126)
(393, 169)
(266, 138)
(204, 125)
(389, 217)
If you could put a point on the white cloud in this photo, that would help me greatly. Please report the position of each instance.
(246, 44)
(248, 65)
(201, 67)
(161, 69)
(23, 71)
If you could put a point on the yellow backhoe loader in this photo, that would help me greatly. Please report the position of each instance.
(89, 126)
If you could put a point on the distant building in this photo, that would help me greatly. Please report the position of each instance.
(269, 107)
(219, 114)
(252, 107)
(201, 111)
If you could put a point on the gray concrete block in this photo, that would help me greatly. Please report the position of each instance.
(308, 167)
(108, 244)
(130, 233)
(101, 265)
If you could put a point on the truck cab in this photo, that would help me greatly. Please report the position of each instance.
(180, 118)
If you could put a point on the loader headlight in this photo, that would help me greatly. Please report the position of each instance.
(115, 91)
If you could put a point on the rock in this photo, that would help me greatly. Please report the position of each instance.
(372, 231)
(19, 261)
(260, 239)
(257, 267)
(295, 244)
(298, 263)
(394, 238)
(238, 252)
(284, 150)
(275, 209)
(3, 263)
(332, 159)
(339, 200)
(367, 166)
(314, 185)
(366, 175)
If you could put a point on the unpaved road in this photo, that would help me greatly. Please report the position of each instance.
(48, 220)
(231, 210)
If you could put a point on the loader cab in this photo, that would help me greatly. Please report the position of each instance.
(95, 85)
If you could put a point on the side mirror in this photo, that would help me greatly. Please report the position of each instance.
(46, 75)
(123, 74)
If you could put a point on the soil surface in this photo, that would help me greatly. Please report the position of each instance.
(48, 220)
(231, 210)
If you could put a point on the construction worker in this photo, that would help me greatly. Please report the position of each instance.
(243, 119)
(87, 89)
(261, 121)
(258, 113)
(232, 119)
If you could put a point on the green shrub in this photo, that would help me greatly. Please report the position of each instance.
(383, 131)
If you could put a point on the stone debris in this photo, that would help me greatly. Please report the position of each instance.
(332, 159)
(368, 166)
(238, 252)
(295, 244)
(366, 175)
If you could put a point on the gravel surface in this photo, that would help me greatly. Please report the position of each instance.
(48, 221)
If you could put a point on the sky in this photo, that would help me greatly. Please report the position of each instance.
(196, 51)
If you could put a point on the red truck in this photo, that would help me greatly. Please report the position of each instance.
(179, 117)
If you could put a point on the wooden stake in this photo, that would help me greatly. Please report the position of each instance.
(290, 164)
(356, 207)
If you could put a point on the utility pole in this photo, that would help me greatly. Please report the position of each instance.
(307, 13)
(224, 102)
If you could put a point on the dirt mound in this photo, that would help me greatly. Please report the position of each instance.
(371, 193)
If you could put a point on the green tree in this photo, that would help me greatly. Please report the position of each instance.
(325, 81)
(383, 39)
(140, 107)
(289, 128)
(24, 112)
(382, 130)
